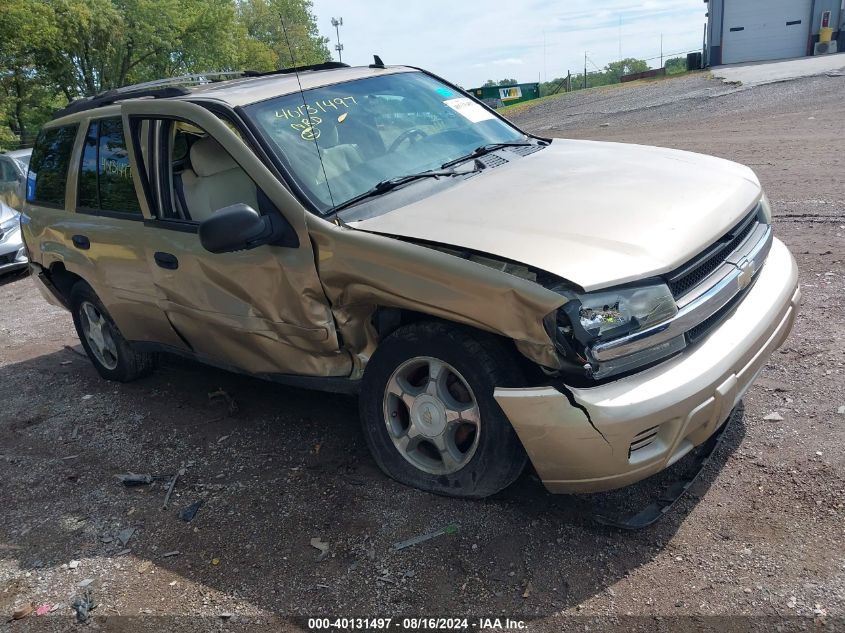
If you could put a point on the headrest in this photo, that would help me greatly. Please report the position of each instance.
(208, 158)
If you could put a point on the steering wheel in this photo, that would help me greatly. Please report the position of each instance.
(406, 135)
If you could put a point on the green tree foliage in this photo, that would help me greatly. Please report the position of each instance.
(610, 74)
(502, 82)
(54, 51)
(676, 65)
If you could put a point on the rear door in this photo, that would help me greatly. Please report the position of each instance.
(760, 30)
(262, 310)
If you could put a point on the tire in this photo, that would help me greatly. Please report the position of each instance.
(115, 360)
(466, 459)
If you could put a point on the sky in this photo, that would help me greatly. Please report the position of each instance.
(468, 42)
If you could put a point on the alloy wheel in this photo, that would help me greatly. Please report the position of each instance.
(98, 333)
(432, 415)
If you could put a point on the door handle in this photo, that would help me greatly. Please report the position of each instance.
(81, 242)
(166, 260)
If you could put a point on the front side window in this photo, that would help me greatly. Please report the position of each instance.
(339, 141)
(105, 176)
(48, 167)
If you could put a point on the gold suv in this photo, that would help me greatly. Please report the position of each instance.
(493, 297)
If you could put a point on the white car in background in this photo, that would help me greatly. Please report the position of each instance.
(12, 251)
(13, 167)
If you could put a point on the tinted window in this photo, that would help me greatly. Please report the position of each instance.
(48, 168)
(88, 196)
(105, 177)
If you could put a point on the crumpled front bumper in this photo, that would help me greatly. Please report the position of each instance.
(629, 429)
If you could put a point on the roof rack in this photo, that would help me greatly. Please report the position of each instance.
(297, 69)
(177, 86)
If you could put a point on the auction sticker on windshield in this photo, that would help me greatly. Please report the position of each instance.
(469, 109)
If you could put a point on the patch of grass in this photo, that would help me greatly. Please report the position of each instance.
(525, 106)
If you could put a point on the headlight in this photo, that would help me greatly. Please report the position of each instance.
(612, 313)
(764, 213)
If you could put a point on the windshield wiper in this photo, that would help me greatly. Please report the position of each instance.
(392, 183)
(484, 149)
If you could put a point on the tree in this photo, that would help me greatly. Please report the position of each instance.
(490, 83)
(263, 19)
(628, 66)
(54, 51)
(676, 65)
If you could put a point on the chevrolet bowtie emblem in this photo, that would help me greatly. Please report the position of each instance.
(746, 274)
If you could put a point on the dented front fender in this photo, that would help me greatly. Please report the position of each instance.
(362, 272)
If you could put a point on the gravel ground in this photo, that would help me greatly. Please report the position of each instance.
(757, 542)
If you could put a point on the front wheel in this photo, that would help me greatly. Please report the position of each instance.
(110, 353)
(429, 415)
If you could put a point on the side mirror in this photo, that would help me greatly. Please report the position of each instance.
(238, 227)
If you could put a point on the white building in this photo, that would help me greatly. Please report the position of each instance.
(758, 30)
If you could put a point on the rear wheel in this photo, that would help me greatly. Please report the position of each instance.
(429, 415)
(111, 354)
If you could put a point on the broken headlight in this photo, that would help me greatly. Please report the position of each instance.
(590, 320)
(608, 314)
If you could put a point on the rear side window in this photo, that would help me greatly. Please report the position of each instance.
(105, 176)
(49, 164)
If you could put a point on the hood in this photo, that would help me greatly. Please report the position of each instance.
(596, 214)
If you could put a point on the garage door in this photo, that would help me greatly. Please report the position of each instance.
(756, 30)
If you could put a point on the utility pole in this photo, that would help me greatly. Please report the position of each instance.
(585, 70)
(337, 23)
(545, 74)
(620, 38)
(661, 50)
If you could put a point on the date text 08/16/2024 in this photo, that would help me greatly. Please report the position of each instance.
(416, 624)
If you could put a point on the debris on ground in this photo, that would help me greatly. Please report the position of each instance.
(222, 395)
(774, 416)
(145, 567)
(44, 609)
(321, 545)
(85, 583)
(83, 605)
(527, 592)
(131, 479)
(76, 350)
(175, 552)
(215, 561)
(21, 612)
(841, 410)
(452, 528)
(188, 513)
(172, 485)
(73, 564)
(124, 535)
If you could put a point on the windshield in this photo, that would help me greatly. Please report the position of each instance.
(371, 130)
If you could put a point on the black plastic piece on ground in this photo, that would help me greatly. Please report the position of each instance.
(657, 509)
(188, 513)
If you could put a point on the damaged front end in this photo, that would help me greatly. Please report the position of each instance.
(364, 273)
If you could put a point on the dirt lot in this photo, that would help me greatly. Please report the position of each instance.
(760, 536)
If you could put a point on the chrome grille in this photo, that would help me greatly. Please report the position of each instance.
(683, 279)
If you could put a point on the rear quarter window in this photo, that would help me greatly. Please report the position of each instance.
(105, 176)
(49, 164)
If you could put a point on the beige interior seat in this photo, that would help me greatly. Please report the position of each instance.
(216, 181)
(337, 158)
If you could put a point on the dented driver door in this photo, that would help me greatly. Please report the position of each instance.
(261, 310)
